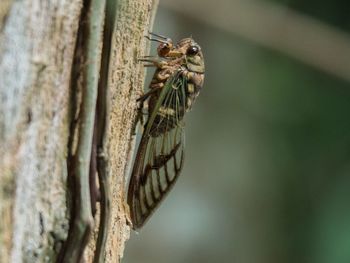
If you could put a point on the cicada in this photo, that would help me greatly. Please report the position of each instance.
(176, 83)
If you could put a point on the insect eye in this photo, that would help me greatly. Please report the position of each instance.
(163, 49)
(192, 50)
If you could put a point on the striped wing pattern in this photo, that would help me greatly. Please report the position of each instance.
(160, 155)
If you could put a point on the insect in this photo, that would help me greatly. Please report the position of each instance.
(175, 85)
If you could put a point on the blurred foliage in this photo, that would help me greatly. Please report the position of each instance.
(266, 177)
(332, 12)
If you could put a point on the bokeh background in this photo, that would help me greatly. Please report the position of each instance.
(267, 170)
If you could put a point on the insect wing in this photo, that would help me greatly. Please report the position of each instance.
(160, 155)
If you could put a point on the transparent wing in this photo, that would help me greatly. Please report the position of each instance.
(160, 155)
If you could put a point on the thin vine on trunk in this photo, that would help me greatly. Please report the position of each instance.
(43, 90)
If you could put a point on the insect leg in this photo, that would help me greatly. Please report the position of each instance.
(142, 99)
(162, 76)
(149, 65)
(145, 96)
(148, 56)
(154, 61)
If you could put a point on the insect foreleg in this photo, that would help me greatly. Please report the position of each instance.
(155, 61)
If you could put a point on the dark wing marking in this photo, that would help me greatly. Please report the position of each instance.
(160, 155)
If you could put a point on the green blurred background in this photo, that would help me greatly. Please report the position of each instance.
(267, 170)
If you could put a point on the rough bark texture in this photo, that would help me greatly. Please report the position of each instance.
(125, 84)
(36, 57)
(37, 43)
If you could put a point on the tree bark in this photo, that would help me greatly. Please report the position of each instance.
(37, 44)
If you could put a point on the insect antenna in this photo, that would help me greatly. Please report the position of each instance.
(156, 35)
(157, 38)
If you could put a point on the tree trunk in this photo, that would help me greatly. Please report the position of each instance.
(38, 47)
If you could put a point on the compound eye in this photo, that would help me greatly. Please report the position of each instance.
(192, 50)
(164, 45)
(163, 49)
